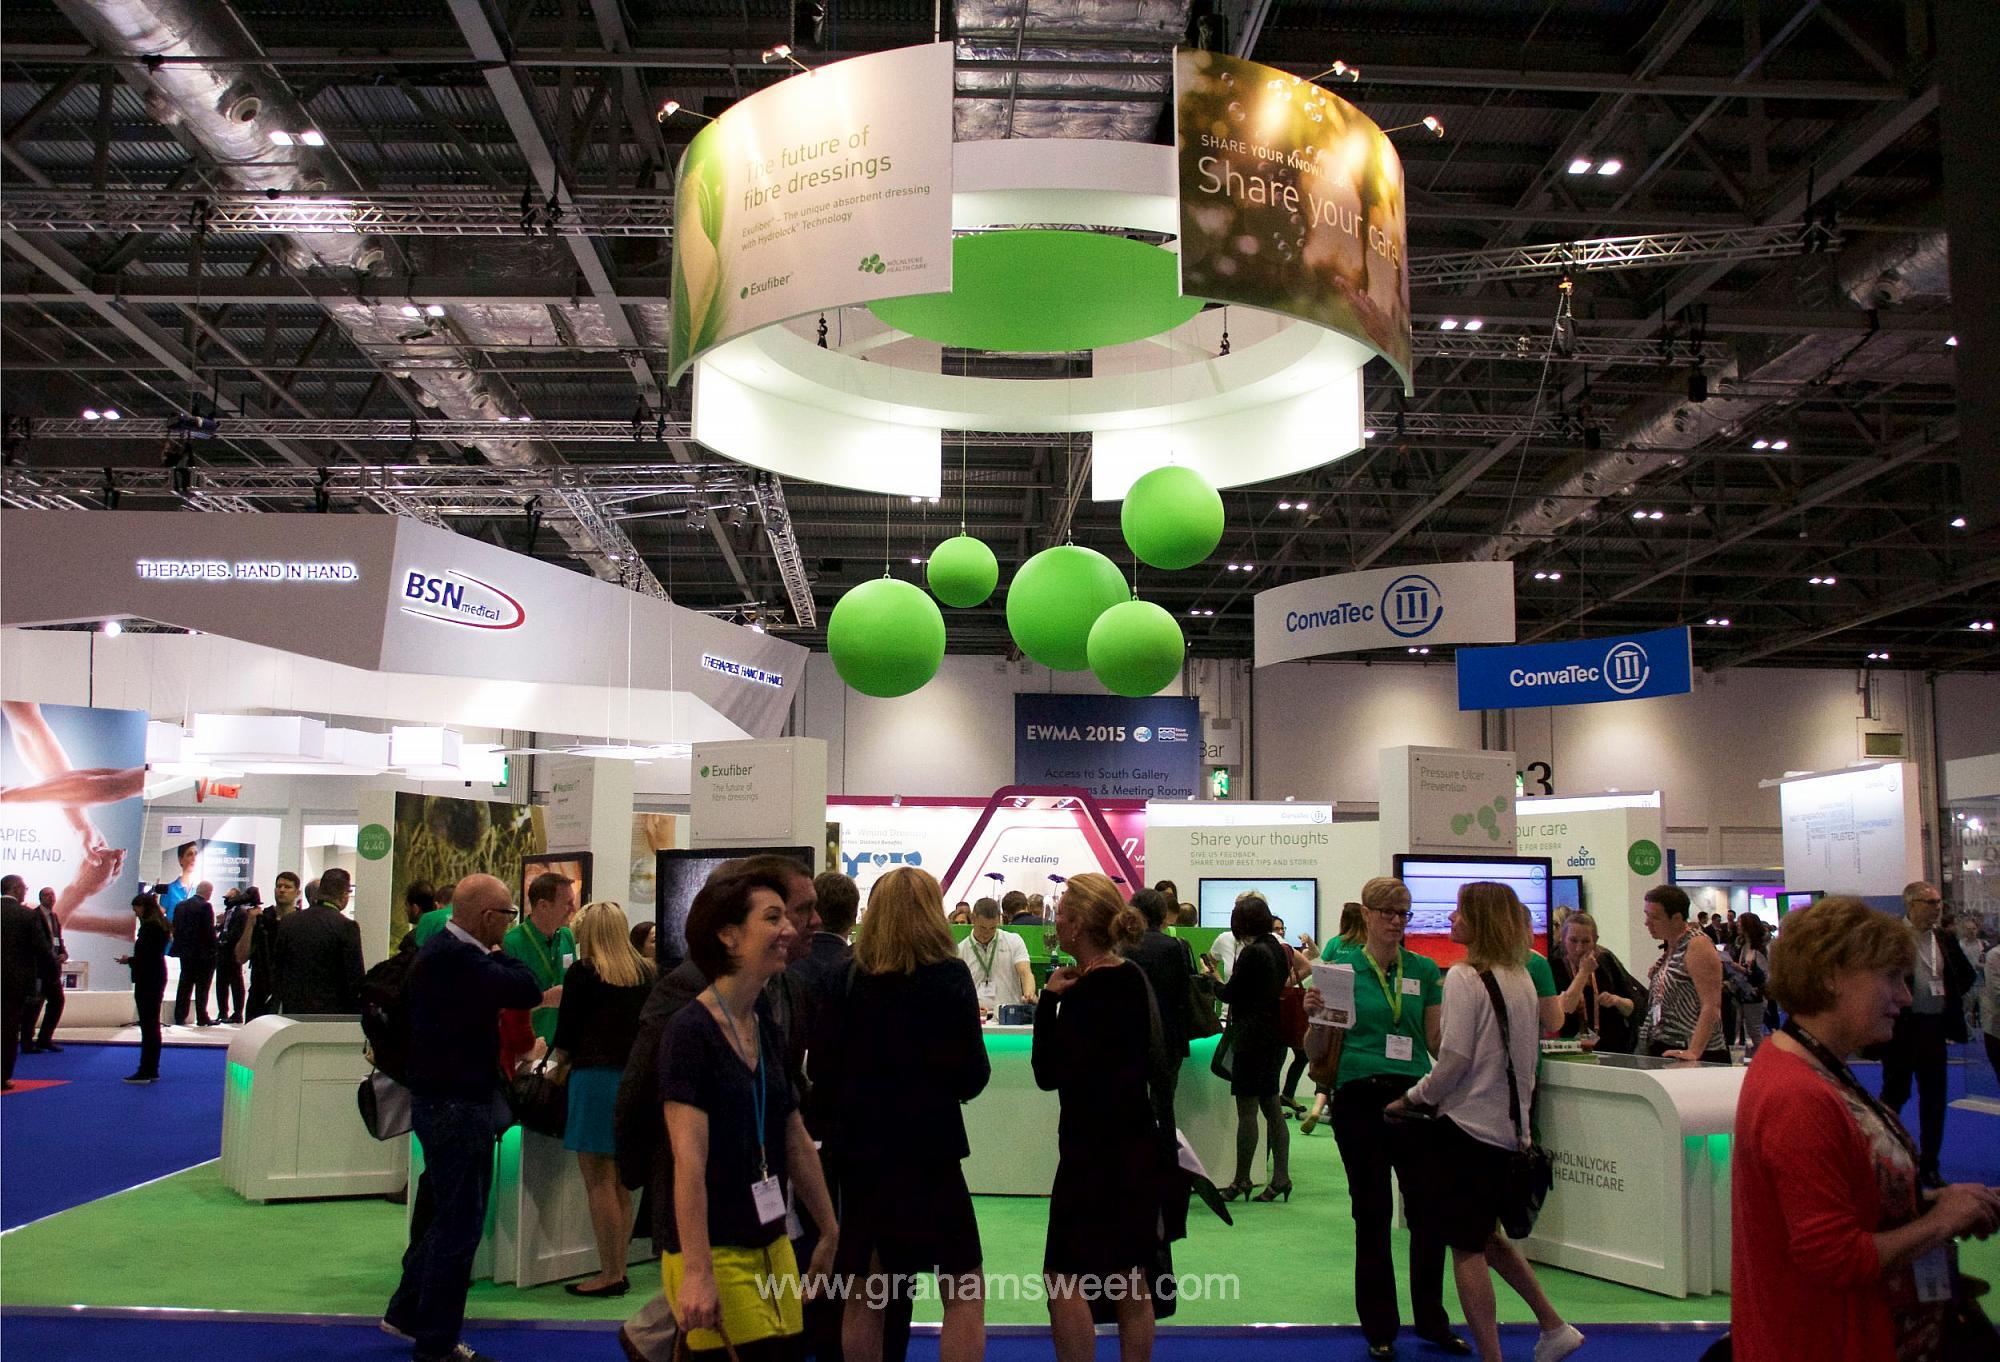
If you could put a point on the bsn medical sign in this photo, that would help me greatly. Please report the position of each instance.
(1579, 672)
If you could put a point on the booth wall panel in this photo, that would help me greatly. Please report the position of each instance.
(1968, 716)
(1318, 727)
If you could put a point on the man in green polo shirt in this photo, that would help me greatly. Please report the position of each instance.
(431, 923)
(543, 943)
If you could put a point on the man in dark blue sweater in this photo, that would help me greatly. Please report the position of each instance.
(456, 991)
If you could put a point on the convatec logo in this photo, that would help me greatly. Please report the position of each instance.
(1626, 669)
(457, 598)
(1412, 606)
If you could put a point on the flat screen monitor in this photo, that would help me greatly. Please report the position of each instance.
(1295, 901)
(1434, 881)
(1791, 900)
(679, 875)
(571, 865)
(1565, 893)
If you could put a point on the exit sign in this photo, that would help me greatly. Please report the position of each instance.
(1218, 783)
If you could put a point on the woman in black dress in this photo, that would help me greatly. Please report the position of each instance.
(1093, 1038)
(1598, 994)
(907, 1051)
(1256, 1046)
(148, 962)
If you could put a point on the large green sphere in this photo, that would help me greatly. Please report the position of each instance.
(1172, 518)
(1136, 649)
(1055, 598)
(886, 637)
(962, 572)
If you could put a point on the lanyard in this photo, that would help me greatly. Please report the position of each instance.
(1394, 995)
(1841, 1074)
(534, 936)
(757, 1103)
(985, 960)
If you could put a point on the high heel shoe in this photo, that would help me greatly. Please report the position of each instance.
(1274, 1191)
(1235, 1190)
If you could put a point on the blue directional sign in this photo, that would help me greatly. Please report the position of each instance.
(1580, 672)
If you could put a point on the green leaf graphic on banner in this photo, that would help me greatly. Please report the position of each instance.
(700, 294)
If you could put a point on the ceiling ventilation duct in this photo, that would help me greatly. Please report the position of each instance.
(1109, 34)
(232, 118)
(1658, 434)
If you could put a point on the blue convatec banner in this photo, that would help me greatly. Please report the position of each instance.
(1581, 672)
(1113, 747)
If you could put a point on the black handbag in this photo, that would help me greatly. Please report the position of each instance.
(1201, 1020)
(1219, 1063)
(1530, 1168)
(385, 1106)
(540, 1099)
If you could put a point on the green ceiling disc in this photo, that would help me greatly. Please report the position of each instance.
(1045, 292)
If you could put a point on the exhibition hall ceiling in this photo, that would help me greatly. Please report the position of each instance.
(1749, 427)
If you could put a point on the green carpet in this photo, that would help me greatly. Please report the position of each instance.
(189, 1242)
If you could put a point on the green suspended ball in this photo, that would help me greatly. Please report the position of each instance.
(886, 637)
(1136, 649)
(962, 572)
(1172, 518)
(1054, 599)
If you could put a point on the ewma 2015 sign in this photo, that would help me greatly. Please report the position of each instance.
(1384, 608)
(1580, 672)
(1113, 747)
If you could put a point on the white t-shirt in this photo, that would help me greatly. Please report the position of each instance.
(994, 976)
(1223, 952)
(1468, 1083)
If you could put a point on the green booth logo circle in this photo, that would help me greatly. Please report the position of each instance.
(372, 842)
(1644, 857)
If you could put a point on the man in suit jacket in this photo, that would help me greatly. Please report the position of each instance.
(1934, 1018)
(457, 988)
(1169, 968)
(50, 1004)
(194, 947)
(318, 954)
(24, 950)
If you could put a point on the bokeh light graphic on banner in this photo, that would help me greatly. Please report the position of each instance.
(886, 638)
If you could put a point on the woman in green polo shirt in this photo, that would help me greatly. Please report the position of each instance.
(1398, 1017)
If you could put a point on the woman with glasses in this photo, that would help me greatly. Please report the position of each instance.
(1398, 1015)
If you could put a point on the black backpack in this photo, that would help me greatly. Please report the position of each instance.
(385, 1012)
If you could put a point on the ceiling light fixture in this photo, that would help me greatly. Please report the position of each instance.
(1981, 626)
(1448, 324)
(1300, 506)
(280, 138)
(434, 309)
(1429, 121)
(1340, 70)
(1610, 165)
(1781, 445)
(1760, 444)
(1368, 434)
(1555, 576)
(1475, 325)
(1284, 505)
(1952, 341)
(112, 628)
(313, 137)
(674, 106)
(411, 310)
(1717, 621)
(1958, 522)
(1878, 657)
(783, 52)
(1582, 165)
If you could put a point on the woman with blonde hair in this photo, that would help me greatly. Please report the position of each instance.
(1093, 1038)
(603, 993)
(1482, 1087)
(905, 1051)
(1837, 1251)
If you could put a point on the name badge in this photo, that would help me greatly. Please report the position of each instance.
(769, 1200)
(1656, 1014)
(1398, 1047)
(1933, 1273)
(1937, 988)
(1413, 987)
(988, 994)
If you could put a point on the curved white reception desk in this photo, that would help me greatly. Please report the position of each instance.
(1642, 1170)
(290, 1126)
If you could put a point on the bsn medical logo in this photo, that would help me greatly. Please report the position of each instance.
(457, 598)
(1412, 606)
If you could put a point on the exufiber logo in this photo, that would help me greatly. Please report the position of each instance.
(720, 771)
(775, 281)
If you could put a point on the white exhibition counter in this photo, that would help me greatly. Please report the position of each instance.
(290, 1126)
(1642, 1170)
(1011, 1126)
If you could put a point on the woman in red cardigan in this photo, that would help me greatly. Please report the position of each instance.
(1838, 1255)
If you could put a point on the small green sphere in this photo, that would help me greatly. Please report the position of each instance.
(1172, 518)
(962, 572)
(1055, 598)
(1136, 649)
(886, 637)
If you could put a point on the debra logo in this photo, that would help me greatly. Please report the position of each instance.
(455, 598)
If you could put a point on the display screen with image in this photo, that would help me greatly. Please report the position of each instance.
(680, 875)
(1434, 882)
(571, 865)
(1566, 893)
(1295, 902)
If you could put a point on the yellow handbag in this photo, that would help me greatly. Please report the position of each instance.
(759, 1290)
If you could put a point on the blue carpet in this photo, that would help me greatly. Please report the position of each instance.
(94, 1135)
(179, 1340)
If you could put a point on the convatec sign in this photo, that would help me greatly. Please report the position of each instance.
(1357, 611)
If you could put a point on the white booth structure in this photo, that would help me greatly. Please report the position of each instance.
(1642, 1150)
(290, 1126)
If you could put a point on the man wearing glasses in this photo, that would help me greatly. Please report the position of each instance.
(457, 988)
(1934, 1019)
